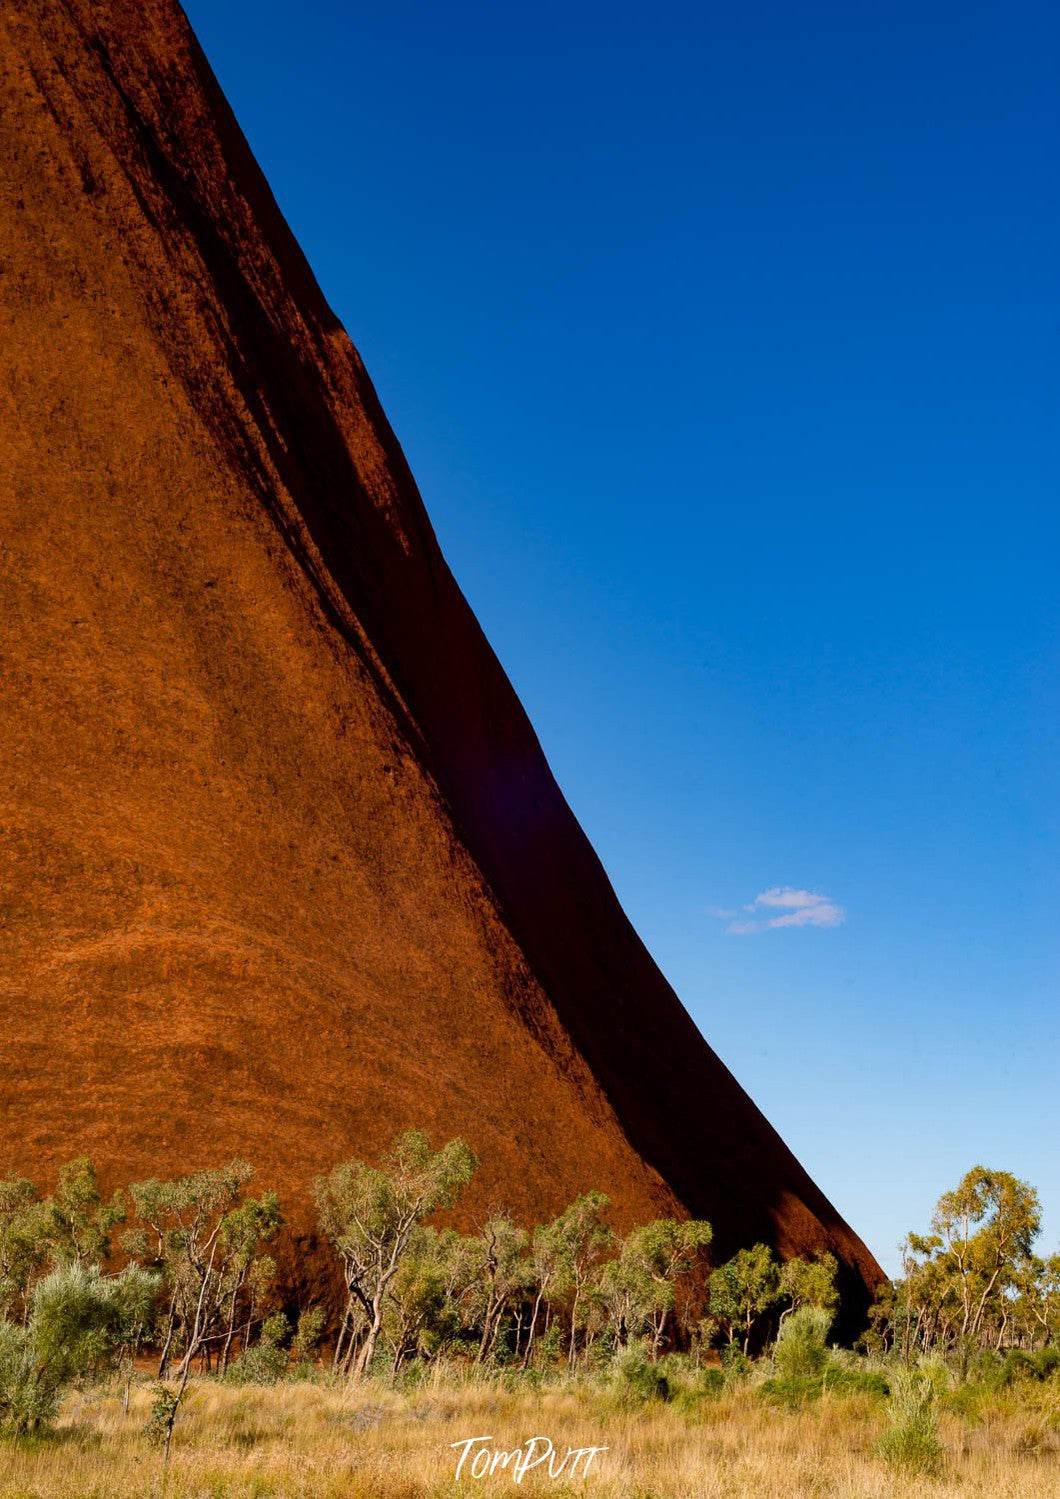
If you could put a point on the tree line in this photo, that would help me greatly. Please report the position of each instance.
(973, 1282)
(183, 1271)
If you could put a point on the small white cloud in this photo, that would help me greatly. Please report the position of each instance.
(784, 895)
(794, 908)
(823, 913)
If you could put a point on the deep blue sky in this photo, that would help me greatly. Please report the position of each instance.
(723, 343)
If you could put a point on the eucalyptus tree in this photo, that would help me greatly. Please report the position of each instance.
(1042, 1292)
(743, 1290)
(499, 1256)
(809, 1283)
(74, 1225)
(369, 1213)
(426, 1300)
(564, 1256)
(974, 1279)
(77, 1221)
(639, 1286)
(986, 1229)
(205, 1235)
(567, 1254)
(23, 1244)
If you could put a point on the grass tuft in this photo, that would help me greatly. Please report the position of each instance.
(912, 1440)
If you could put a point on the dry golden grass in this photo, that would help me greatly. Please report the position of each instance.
(313, 1441)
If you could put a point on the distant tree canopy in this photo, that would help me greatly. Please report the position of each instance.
(973, 1281)
(192, 1276)
(743, 1290)
(370, 1213)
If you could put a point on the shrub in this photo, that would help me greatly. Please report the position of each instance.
(550, 1346)
(735, 1363)
(266, 1361)
(911, 1440)
(78, 1323)
(1018, 1365)
(842, 1380)
(307, 1336)
(987, 1368)
(159, 1426)
(707, 1384)
(968, 1400)
(689, 1383)
(635, 1380)
(800, 1350)
(792, 1390)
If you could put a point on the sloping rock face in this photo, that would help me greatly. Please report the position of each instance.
(284, 868)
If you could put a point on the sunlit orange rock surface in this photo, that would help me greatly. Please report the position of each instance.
(284, 868)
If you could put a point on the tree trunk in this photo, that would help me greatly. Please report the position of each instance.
(367, 1348)
(530, 1334)
(163, 1362)
(518, 1329)
(498, 1319)
(344, 1330)
(172, 1421)
(222, 1357)
(573, 1333)
(487, 1327)
(1001, 1332)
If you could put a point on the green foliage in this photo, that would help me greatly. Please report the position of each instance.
(77, 1223)
(77, 1325)
(911, 1439)
(735, 1363)
(25, 1402)
(567, 1254)
(635, 1379)
(159, 1427)
(743, 1289)
(264, 1362)
(998, 1371)
(369, 1213)
(23, 1243)
(206, 1238)
(552, 1343)
(848, 1373)
(968, 1400)
(497, 1271)
(1040, 1365)
(308, 1333)
(806, 1370)
(811, 1282)
(425, 1309)
(690, 1383)
(792, 1390)
(411, 1374)
(989, 1213)
(639, 1288)
(801, 1349)
(973, 1282)
(575, 1242)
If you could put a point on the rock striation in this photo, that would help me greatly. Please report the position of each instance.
(283, 867)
